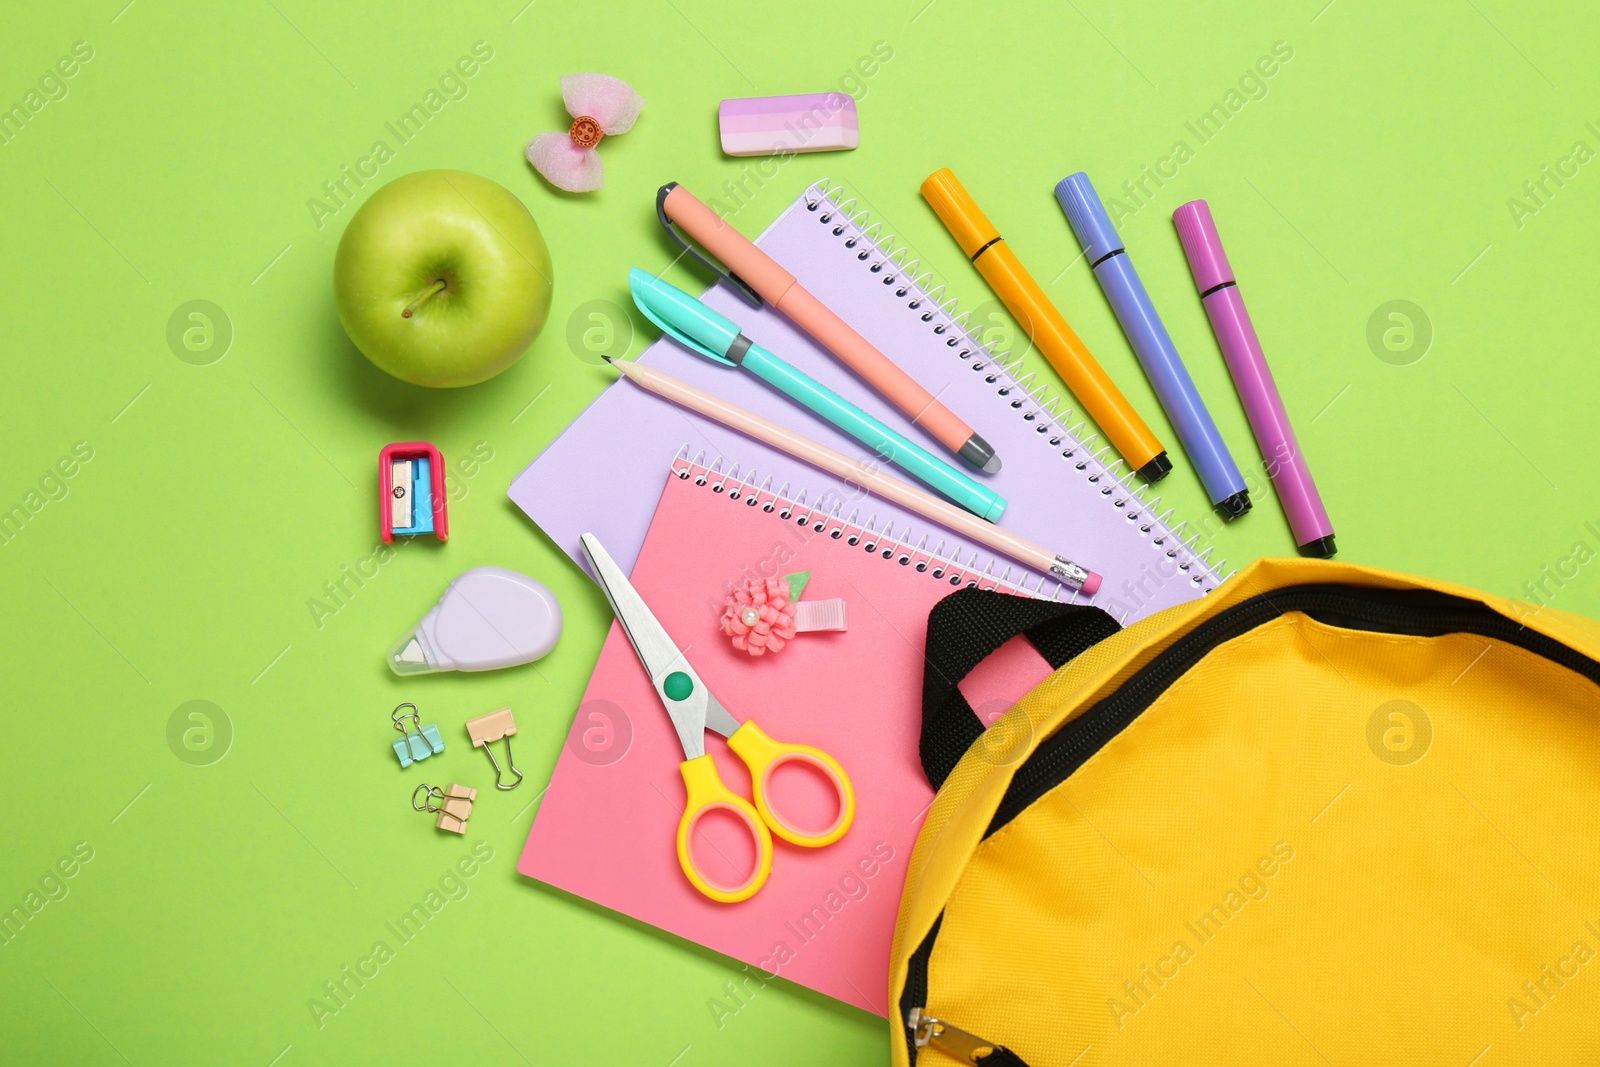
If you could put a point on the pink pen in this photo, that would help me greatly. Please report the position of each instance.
(1213, 277)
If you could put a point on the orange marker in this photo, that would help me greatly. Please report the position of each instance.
(756, 276)
(1044, 325)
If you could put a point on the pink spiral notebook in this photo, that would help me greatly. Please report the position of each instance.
(1065, 493)
(606, 827)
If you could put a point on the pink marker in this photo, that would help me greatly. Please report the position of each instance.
(1213, 277)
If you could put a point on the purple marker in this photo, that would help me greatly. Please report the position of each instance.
(1213, 277)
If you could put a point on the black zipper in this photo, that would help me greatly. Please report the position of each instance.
(914, 994)
(1414, 612)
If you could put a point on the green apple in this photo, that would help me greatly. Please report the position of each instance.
(442, 278)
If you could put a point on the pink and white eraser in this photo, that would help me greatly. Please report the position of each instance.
(774, 125)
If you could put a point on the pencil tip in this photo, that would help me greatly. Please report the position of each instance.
(607, 358)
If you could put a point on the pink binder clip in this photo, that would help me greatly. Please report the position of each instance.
(411, 492)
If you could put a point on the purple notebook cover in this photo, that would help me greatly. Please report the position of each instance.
(603, 473)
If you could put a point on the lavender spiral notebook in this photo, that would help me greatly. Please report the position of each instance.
(1065, 491)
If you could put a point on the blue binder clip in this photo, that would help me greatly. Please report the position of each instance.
(417, 743)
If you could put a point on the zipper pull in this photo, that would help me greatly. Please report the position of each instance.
(952, 1041)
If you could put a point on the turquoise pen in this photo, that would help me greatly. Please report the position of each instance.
(710, 334)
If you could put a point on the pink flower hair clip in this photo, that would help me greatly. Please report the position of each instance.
(762, 615)
(600, 106)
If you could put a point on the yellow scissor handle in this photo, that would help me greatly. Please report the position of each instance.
(763, 755)
(705, 793)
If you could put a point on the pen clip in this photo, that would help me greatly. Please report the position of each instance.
(642, 302)
(740, 286)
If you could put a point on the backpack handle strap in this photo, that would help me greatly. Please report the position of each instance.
(964, 629)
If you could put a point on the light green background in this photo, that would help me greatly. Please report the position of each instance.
(221, 498)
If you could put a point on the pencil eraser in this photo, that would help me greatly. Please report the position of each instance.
(1091, 584)
(773, 125)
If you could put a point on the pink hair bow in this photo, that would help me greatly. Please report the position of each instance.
(600, 106)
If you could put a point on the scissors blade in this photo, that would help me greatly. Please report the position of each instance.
(656, 651)
(717, 718)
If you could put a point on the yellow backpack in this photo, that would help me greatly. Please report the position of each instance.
(1326, 815)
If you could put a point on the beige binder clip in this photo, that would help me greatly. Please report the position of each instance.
(485, 730)
(452, 805)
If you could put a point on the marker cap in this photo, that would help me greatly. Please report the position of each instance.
(1088, 217)
(689, 321)
(1202, 244)
(958, 213)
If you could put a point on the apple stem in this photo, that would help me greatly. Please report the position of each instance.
(437, 287)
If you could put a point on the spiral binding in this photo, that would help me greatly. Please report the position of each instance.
(878, 250)
(826, 517)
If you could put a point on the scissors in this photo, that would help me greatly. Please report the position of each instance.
(693, 711)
